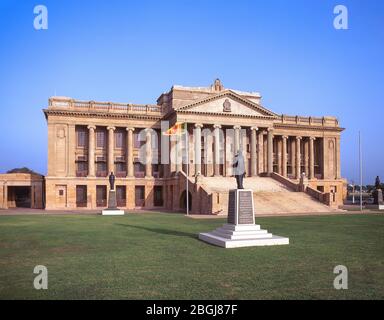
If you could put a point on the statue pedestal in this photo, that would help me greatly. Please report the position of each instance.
(112, 209)
(378, 203)
(378, 197)
(240, 229)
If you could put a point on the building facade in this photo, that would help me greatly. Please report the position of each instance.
(87, 140)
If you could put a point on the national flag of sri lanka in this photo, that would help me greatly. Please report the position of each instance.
(176, 129)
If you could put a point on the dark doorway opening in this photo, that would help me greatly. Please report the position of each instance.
(183, 201)
(158, 196)
(139, 196)
(19, 197)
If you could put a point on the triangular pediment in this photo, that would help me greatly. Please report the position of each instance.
(227, 102)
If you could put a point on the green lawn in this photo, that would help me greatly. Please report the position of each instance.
(158, 256)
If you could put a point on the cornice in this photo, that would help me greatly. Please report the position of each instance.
(85, 114)
(231, 115)
(314, 128)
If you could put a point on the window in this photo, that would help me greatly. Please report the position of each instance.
(82, 136)
(82, 166)
(81, 196)
(121, 196)
(139, 170)
(101, 169)
(158, 196)
(119, 139)
(136, 142)
(100, 139)
(139, 196)
(120, 169)
(101, 196)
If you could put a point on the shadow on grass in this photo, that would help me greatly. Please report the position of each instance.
(162, 231)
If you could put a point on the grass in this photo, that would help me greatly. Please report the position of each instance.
(158, 256)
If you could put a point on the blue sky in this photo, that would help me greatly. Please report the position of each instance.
(132, 51)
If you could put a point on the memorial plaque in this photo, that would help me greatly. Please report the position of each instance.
(232, 207)
(245, 208)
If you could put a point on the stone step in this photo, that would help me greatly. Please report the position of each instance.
(231, 243)
(240, 236)
(236, 233)
(244, 227)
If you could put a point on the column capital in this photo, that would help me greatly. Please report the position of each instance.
(198, 125)
(254, 128)
(111, 128)
(284, 137)
(312, 138)
(130, 129)
(91, 127)
(237, 127)
(299, 137)
(270, 129)
(217, 126)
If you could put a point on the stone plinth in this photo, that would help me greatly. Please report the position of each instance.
(378, 197)
(112, 209)
(241, 230)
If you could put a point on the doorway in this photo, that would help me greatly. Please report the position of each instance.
(19, 197)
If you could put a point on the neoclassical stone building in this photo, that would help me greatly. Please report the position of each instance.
(88, 139)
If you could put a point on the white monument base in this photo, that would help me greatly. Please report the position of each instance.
(236, 236)
(112, 212)
(241, 230)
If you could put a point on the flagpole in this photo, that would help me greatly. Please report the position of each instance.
(361, 173)
(187, 151)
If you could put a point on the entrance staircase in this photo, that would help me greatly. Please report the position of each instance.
(270, 196)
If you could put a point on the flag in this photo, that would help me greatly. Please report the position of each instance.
(176, 129)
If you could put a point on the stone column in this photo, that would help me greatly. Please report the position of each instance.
(284, 156)
(148, 153)
(306, 156)
(337, 147)
(298, 158)
(216, 156)
(236, 142)
(198, 147)
(293, 156)
(254, 151)
(279, 148)
(129, 153)
(91, 151)
(270, 151)
(111, 148)
(260, 152)
(311, 158)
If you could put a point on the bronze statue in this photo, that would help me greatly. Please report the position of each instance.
(112, 181)
(377, 183)
(239, 169)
